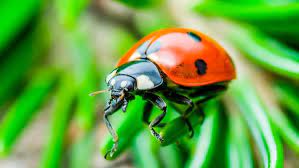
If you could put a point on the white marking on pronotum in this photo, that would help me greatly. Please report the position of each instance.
(144, 82)
(110, 76)
(112, 82)
(123, 84)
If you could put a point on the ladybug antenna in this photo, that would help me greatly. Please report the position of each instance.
(98, 92)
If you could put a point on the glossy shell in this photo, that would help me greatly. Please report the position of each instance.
(188, 57)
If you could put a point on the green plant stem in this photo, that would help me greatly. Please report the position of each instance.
(170, 156)
(59, 122)
(166, 156)
(207, 137)
(287, 96)
(85, 80)
(245, 3)
(144, 151)
(14, 16)
(156, 20)
(177, 128)
(127, 129)
(82, 57)
(17, 64)
(82, 150)
(25, 108)
(266, 52)
(290, 28)
(253, 13)
(237, 144)
(254, 112)
(140, 4)
(69, 11)
(285, 128)
(278, 18)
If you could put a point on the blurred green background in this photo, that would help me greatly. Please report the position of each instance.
(54, 53)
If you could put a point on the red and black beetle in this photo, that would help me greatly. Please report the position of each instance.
(181, 65)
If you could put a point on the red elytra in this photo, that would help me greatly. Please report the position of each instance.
(177, 55)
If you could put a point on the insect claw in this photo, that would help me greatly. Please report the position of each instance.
(107, 155)
(111, 152)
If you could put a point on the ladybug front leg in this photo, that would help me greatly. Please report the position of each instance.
(159, 102)
(112, 107)
(180, 99)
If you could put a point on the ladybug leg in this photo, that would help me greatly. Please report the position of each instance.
(146, 114)
(111, 108)
(180, 99)
(191, 130)
(112, 132)
(125, 105)
(159, 102)
(126, 101)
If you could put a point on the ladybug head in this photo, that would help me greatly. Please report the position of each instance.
(121, 84)
(120, 87)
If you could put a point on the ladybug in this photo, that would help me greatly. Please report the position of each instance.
(180, 65)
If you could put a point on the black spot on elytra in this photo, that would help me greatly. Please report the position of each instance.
(194, 36)
(201, 66)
